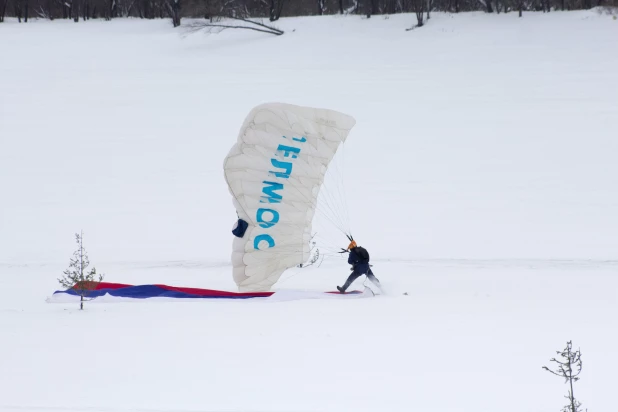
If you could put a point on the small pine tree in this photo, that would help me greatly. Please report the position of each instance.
(569, 369)
(76, 278)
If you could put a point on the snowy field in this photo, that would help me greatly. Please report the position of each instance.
(482, 176)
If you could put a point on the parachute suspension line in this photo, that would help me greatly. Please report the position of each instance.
(328, 206)
(332, 219)
(330, 195)
(292, 274)
(342, 198)
(340, 167)
(328, 202)
(333, 194)
(345, 197)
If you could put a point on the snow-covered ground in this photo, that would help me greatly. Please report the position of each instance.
(482, 175)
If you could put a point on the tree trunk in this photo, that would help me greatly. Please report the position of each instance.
(571, 394)
(340, 6)
(276, 7)
(489, 8)
(428, 9)
(418, 9)
(174, 9)
(3, 5)
(81, 303)
(521, 6)
(26, 10)
(273, 8)
(456, 6)
(562, 5)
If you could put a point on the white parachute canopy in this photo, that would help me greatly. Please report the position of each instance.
(274, 173)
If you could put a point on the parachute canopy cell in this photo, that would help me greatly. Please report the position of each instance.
(274, 172)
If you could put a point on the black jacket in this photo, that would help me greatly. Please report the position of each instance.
(359, 259)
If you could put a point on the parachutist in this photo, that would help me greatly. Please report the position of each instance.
(359, 259)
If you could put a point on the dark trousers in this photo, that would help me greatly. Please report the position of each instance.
(356, 274)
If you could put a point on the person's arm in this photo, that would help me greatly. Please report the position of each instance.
(352, 259)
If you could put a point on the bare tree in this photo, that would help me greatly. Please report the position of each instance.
(76, 8)
(276, 7)
(173, 7)
(76, 278)
(67, 9)
(3, 4)
(44, 9)
(125, 7)
(22, 9)
(85, 10)
(371, 7)
(419, 10)
(569, 369)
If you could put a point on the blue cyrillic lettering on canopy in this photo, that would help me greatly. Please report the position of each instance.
(286, 166)
(264, 238)
(269, 191)
(267, 223)
(296, 139)
(287, 150)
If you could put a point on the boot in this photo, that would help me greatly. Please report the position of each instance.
(347, 284)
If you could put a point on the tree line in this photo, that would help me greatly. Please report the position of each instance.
(211, 10)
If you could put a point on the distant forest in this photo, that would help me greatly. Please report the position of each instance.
(215, 10)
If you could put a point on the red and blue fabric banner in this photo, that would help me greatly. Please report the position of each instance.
(158, 290)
